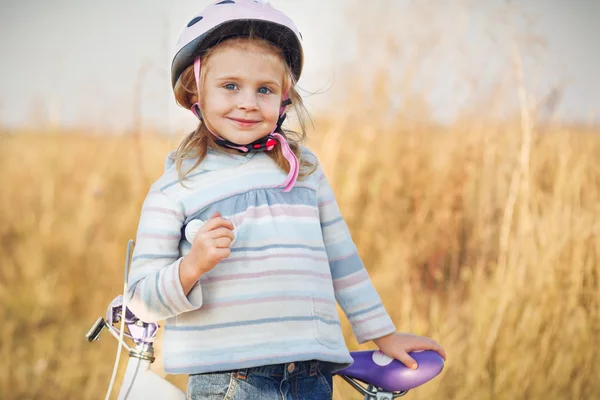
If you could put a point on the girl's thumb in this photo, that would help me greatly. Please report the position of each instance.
(216, 215)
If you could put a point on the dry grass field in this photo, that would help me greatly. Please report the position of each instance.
(483, 235)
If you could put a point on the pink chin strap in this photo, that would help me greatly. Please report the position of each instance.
(266, 143)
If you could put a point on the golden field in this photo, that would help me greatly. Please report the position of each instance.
(483, 235)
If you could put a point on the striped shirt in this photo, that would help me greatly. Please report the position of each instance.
(273, 300)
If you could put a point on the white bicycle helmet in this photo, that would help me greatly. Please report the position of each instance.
(229, 18)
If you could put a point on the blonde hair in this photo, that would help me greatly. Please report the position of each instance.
(196, 144)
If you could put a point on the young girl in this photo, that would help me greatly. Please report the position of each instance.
(241, 247)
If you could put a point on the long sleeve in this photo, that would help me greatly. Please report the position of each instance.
(155, 291)
(354, 291)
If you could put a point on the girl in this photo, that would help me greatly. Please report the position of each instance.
(241, 247)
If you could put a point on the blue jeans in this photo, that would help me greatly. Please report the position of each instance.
(306, 380)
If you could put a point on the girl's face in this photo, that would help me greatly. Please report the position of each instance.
(242, 91)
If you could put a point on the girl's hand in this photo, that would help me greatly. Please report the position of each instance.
(398, 345)
(210, 245)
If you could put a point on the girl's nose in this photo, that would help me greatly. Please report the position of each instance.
(247, 101)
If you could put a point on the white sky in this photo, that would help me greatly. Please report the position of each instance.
(77, 61)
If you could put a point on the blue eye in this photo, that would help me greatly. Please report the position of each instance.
(264, 90)
(230, 86)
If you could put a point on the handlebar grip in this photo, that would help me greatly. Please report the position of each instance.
(95, 330)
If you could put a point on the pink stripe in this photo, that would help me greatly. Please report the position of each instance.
(163, 288)
(281, 210)
(325, 203)
(230, 260)
(161, 210)
(263, 274)
(377, 331)
(139, 288)
(350, 280)
(262, 300)
(158, 236)
(360, 321)
(176, 288)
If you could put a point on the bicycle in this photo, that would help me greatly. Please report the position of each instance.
(384, 377)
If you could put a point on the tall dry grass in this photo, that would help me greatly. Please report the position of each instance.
(503, 274)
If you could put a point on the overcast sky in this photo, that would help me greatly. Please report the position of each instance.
(78, 61)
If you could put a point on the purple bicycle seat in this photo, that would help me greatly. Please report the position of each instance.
(375, 368)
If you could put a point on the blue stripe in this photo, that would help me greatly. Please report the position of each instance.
(160, 298)
(248, 323)
(323, 197)
(168, 185)
(238, 202)
(346, 266)
(279, 246)
(157, 231)
(343, 248)
(263, 295)
(331, 222)
(301, 231)
(247, 348)
(357, 298)
(364, 311)
(155, 256)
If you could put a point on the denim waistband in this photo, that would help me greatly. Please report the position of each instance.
(280, 370)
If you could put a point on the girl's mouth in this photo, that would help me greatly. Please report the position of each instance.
(244, 122)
